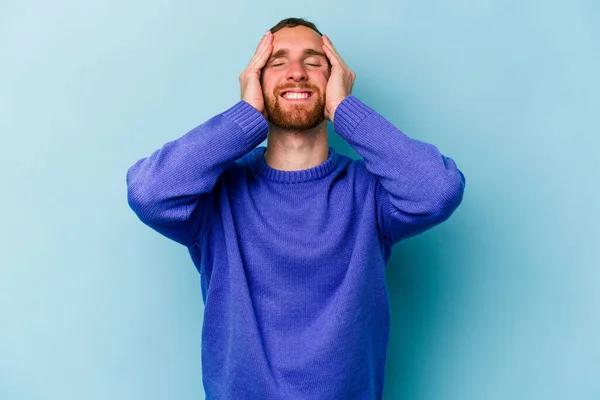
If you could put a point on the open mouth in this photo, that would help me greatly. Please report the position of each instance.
(296, 95)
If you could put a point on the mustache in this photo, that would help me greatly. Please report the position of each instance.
(305, 86)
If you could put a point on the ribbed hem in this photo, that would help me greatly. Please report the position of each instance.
(259, 164)
(253, 123)
(348, 114)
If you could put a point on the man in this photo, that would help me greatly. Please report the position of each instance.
(291, 241)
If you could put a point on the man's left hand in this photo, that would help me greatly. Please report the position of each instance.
(341, 80)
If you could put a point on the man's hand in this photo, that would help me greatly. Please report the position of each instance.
(341, 80)
(250, 78)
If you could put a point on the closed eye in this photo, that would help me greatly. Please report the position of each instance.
(312, 65)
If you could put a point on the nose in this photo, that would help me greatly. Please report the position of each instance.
(296, 71)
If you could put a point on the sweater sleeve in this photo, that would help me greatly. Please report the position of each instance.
(168, 190)
(416, 188)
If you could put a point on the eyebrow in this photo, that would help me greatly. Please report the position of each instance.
(308, 52)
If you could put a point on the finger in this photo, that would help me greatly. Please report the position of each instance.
(327, 46)
(334, 51)
(261, 41)
(261, 47)
(263, 56)
(262, 52)
(333, 58)
(342, 62)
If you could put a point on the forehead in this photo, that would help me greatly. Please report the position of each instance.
(296, 39)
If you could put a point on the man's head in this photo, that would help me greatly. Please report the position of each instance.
(297, 63)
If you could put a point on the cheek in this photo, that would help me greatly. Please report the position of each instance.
(321, 81)
(267, 82)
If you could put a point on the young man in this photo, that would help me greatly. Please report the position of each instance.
(292, 241)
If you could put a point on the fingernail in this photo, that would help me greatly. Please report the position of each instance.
(267, 32)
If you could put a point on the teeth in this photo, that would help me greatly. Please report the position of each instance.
(291, 95)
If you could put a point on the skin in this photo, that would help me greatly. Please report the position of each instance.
(297, 137)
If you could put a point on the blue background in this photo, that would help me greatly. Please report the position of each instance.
(499, 302)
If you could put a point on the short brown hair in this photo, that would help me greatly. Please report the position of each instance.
(292, 22)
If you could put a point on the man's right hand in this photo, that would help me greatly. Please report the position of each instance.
(250, 78)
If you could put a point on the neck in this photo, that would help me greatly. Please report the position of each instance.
(295, 150)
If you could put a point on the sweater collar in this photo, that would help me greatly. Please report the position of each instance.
(259, 164)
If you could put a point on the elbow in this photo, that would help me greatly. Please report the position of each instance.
(137, 202)
(137, 195)
(450, 195)
(150, 210)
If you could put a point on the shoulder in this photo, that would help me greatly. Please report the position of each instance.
(358, 170)
(355, 173)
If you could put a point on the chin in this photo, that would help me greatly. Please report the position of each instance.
(296, 117)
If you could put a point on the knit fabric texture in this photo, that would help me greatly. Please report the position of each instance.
(292, 264)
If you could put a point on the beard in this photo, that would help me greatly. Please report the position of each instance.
(296, 117)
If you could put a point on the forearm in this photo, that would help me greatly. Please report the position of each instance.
(167, 186)
(418, 179)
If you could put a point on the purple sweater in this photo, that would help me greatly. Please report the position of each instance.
(293, 263)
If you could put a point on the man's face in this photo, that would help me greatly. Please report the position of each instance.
(297, 63)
